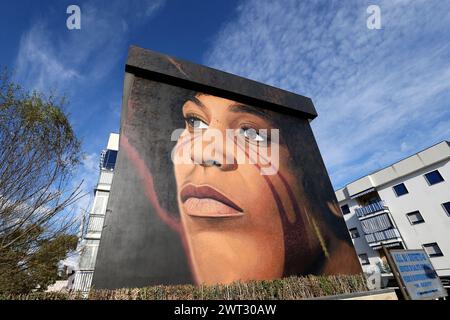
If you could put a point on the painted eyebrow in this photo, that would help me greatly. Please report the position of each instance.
(243, 108)
(240, 108)
(197, 102)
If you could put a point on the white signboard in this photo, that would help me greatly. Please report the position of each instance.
(417, 274)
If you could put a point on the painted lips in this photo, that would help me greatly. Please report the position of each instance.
(204, 201)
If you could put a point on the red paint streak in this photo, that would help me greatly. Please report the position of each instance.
(294, 233)
(130, 110)
(178, 66)
(147, 181)
(291, 196)
(289, 191)
(295, 236)
(269, 183)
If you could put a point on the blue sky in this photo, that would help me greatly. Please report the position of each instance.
(381, 95)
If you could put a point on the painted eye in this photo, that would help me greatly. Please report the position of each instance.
(196, 123)
(252, 135)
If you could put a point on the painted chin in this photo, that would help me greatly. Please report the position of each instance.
(209, 208)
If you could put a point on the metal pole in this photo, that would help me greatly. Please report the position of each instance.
(395, 272)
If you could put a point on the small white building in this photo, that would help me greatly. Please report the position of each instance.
(93, 228)
(405, 205)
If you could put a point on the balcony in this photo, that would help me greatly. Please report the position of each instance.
(105, 180)
(386, 235)
(95, 223)
(371, 208)
(83, 280)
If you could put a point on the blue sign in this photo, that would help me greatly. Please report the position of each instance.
(417, 274)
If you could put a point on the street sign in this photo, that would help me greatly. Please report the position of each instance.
(417, 274)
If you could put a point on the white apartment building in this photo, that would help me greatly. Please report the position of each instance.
(405, 205)
(92, 230)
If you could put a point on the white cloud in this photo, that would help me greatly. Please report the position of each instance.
(51, 57)
(373, 89)
(37, 65)
(152, 6)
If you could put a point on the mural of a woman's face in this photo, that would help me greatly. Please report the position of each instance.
(187, 209)
(232, 216)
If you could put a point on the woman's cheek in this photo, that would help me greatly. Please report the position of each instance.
(181, 172)
(264, 221)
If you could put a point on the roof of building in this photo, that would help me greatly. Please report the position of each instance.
(163, 68)
(422, 159)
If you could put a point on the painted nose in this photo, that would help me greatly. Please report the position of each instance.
(213, 156)
(211, 163)
(222, 165)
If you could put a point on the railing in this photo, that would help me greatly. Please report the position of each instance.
(95, 223)
(83, 280)
(377, 223)
(106, 177)
(383, 235)
(371, 208)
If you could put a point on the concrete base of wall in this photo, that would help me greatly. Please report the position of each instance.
(384, 294)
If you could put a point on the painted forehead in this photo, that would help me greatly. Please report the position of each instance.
(237, 107)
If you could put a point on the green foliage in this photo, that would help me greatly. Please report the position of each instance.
(39, 152)
(36, 268)
(39, 119)
(291, 288)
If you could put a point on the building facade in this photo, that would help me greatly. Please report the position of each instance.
(405, 205)
(92, 229)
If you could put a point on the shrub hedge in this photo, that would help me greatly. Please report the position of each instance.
(291, 288)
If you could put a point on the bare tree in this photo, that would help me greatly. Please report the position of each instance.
(38, 154)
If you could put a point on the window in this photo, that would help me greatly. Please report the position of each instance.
(109, 159)
(415, 217)
(364, 259)
(433, 177)
(345, 209)
(433, 250)
(446, 207)
(354, 233)
(100, 202)
(400, 189)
